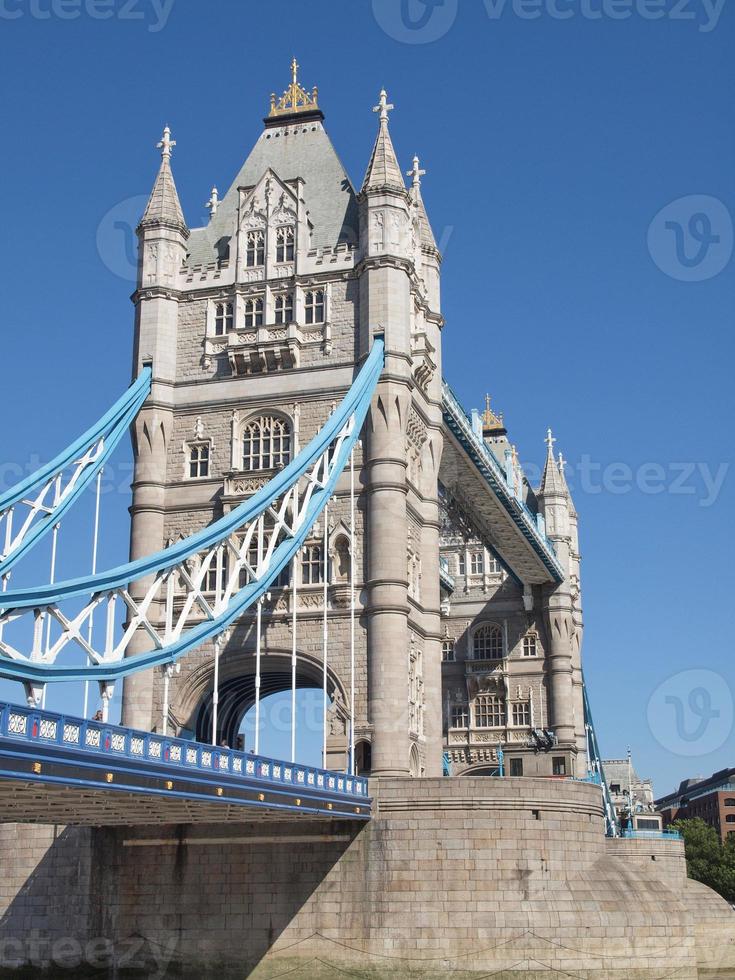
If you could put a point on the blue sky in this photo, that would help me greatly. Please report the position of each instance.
(581, 183)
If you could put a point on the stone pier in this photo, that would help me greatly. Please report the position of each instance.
(464, 877)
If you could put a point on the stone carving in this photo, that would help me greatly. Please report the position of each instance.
(377, 233)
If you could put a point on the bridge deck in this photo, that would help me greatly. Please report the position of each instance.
(58, 769)
(471, 474)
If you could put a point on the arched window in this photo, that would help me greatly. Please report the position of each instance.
(223, 318)
(314, 306)
(448, 650)
(730, 818)
(489, 711)
(266, 443)
(284, 244)
(284, 308)
(487, 643)
(255, 249)
(254, 313)
(730, 801)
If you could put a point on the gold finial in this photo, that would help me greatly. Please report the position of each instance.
(295, 98)
(492, 424)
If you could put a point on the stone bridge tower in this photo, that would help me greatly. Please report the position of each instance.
(255, 326)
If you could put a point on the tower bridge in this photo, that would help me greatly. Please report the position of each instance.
(313, 507)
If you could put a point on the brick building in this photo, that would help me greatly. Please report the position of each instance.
(711, 799)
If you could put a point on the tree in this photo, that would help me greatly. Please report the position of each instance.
(708, 860)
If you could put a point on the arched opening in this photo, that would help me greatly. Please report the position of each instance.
(236, 715)
(482, 771)
(363, 758)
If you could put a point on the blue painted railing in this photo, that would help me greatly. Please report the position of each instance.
(110, 743)
(650, 834)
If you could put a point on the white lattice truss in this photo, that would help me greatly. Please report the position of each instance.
(22, 517)
(181, 596)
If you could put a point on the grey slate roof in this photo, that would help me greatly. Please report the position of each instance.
(306, 152)
(163, 204)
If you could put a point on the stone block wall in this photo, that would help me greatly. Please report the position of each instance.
(452, 878)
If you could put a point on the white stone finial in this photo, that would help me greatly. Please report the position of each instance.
(416, 173)
(166, 144)
(213, 203)
(550, 440)
(562, 464)
(383, 106)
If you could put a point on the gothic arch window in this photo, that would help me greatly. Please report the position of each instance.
(314, 306)
(266, 443)
(477, 563)
(489, 711)
(255, 248)
(224, 318)
(487, 642)
(254, 312)
(285, 243)
(284, 308)
(521, 714)
(415, 761)
(447, 650)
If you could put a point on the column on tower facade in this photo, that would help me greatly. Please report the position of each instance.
(385, 309)
(558, 605)
(162, 236)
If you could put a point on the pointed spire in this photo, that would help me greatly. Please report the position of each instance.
(417, 173)
(213, 202)
(425, 233)
(565, 485)
(552, 480)
(164, 207)
(383, 172)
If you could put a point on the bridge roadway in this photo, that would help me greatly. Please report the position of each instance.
(60, 769)
(475, 480)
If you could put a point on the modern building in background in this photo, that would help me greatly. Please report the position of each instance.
(711, 798)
